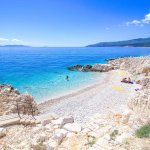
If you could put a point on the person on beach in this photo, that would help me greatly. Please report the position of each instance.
(125, 80)
(67, 78)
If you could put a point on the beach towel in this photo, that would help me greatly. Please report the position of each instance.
(121, 72)
(117, 88)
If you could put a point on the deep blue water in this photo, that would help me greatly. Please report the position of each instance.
(42, 71)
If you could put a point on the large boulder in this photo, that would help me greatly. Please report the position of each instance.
(11, 101)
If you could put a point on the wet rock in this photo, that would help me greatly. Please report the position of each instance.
(96, 68)
(76, 67)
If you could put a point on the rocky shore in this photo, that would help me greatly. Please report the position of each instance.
(94, 68)
(11, 101)
(109, 131)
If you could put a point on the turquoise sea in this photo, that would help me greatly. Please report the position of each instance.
(42, 71)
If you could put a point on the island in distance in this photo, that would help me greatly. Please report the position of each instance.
(140, 42)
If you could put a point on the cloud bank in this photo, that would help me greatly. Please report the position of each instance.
(142, 22)
(3, 40)
(10, 41)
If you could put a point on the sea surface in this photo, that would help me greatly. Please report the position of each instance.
(42, 71)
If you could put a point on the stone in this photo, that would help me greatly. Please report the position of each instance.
(59, 135)
(52, 145)
(122, 138)
(70, 134)
(107, 137)
(42, 137)
(46, 118)
(102, 142)
(2, 132)
(46, 121)
(93, 134)
(63, 120)
(38, 146)
(73, 127)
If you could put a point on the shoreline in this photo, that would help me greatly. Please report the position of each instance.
(74, 92)
(89, 83)
(109, 113)
(92, 99)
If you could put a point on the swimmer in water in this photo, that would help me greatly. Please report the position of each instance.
(67, 78)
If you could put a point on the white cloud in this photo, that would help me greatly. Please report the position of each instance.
(16, 40)
(146, 19)
(3, 40)
(141, 22)
(10, 41)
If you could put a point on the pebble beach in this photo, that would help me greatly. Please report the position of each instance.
(108, 94)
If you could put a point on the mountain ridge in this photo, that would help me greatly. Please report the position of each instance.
(139, 42)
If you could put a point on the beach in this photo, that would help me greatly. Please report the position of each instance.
(104, 115)
(108, 94)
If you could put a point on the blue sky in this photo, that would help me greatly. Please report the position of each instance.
(72, 22)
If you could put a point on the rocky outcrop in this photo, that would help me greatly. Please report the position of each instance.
(94, 68)
(139, 103)
(146, 83)
(11, 101)
(134, 65)
(108, 131)
(102, 67)
(80, 68)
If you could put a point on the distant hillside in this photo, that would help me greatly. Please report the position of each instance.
(14, 46)
(141, 42)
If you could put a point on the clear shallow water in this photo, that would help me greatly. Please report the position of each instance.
(42, 71)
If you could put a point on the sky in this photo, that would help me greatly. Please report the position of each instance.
(68, 23)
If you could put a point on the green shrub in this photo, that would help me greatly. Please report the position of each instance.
(91, 140)
(143, 131)
(114, 134)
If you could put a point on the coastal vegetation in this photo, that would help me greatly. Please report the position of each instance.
(144, 131)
